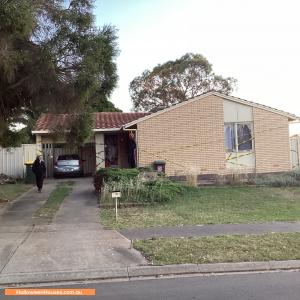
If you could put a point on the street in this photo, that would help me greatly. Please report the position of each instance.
(275, 286)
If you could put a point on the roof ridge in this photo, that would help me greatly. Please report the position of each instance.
(255, 103)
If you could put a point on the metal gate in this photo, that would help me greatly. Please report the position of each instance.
(87, 153)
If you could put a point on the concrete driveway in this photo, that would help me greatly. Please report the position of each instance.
(74, 241)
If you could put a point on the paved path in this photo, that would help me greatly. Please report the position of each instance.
(75, 240)
(17, 221)
(210, 230)
(20, 211)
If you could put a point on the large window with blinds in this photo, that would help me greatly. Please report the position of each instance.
(238, 136)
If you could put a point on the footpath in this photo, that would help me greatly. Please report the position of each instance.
(211, 230)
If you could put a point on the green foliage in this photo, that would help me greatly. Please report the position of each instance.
(103, 105)
(137, 190)
(176, 81)
(81, 129)
(17, 18)
(291, 178)
(145, 169)
(116, 174)
(54, 59)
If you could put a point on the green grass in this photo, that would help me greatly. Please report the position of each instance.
(9, 192)
(283, 246)
(51, 206)
(210, 205)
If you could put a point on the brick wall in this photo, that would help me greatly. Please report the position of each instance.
(271, 141)
(189, 138)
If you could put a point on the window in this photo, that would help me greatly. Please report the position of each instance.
(238, 137)
(244, 136)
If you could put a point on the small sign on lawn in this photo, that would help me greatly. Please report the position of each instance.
(116, 195)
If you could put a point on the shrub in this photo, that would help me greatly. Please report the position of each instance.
(295, 173)
(112, 174)
(98, 182)
(116, 174)
(136, 190)
(145, 169)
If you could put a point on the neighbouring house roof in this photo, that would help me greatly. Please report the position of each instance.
(109, 120)
(290, 116)
(104, 121)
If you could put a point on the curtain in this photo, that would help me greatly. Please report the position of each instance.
(229, 137)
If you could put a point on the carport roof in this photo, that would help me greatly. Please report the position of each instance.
(103, 121)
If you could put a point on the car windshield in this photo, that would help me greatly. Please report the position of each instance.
(68, 162)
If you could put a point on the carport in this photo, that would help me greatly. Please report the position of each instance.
(87, 153)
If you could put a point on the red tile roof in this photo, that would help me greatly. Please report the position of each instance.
(103, 120)
(106, 120)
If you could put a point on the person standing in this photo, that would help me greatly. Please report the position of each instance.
(39, 169)
(131, 150)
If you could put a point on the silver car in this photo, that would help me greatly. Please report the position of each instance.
(68, 165)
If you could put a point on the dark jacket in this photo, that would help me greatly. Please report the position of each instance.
(39, 168)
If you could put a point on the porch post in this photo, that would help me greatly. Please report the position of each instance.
(100, 152)
(39, 147)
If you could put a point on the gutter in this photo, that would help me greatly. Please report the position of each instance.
(107, 129)
(147, 272)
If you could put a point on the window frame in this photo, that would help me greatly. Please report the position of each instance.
(235, 142)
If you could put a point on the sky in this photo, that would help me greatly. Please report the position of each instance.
(255, 41)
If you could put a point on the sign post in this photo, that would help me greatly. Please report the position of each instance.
(116, 195)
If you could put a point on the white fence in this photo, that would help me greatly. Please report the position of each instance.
(12, 160)
(295, 151)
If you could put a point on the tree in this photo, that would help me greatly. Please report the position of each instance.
(176, 81)
(53, 59)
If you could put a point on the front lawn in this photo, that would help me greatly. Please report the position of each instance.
(9, 192)
(280, 246)
(210, 205)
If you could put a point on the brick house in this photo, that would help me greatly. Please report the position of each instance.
(209, 134)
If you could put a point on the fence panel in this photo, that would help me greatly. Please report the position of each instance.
(12, 159)
(11, 162)
(29, 152)
(295, 151)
